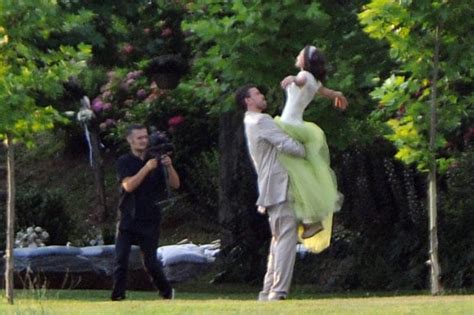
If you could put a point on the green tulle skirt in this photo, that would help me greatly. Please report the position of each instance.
(312, 183)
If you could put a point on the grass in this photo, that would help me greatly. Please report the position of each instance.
(233, 299)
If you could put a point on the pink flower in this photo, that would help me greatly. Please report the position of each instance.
(127, 49)
(167, 32)
(175, 121)
(151, 98)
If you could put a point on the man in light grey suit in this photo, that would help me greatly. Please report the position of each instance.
(265, 139)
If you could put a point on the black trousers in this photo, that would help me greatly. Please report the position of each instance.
(148, 243)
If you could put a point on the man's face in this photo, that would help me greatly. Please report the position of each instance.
(256, 100)
(138, 140)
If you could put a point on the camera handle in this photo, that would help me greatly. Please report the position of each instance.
(167, 184)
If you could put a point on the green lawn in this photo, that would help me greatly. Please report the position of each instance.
(232, 300)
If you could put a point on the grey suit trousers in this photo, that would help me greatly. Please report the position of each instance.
(281, 259)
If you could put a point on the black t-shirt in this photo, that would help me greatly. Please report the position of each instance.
(139, 207)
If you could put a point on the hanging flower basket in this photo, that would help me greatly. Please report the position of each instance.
(166, 70)
(167, 81)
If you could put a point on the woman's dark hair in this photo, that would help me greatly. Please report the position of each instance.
(241, 94)
(315, 63)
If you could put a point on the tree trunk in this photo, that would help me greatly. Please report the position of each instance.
(246, 244)
(10, 220)
(99, 213)
(432, 192)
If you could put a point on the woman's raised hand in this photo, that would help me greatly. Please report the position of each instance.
(340, 101)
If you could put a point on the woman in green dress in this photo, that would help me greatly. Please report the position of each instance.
(313, 186)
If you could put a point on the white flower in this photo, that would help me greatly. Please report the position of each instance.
(85, 115)
(45, 235)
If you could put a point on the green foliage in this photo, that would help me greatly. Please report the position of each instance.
(230, 33)
(410, 27)
(41, 207)
(456, 219)
(30, 67)
(257, 41)
(205, 174)
(127, 37)
(383, 219)
(44, 208)
(123, 33)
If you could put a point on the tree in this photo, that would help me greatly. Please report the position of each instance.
(31, 74)
(425, 100)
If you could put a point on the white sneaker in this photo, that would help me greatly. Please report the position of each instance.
(263, 296)
(274, 296)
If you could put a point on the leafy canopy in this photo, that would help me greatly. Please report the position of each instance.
(31, 68)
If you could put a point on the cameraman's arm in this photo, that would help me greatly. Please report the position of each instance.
(129, 184)
(173, 178)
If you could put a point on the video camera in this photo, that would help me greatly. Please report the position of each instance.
(159, 145)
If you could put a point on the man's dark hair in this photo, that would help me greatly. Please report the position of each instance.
(241, 94)
(133, 127)
(315, 63)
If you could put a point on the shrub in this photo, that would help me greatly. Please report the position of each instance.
(45, 208)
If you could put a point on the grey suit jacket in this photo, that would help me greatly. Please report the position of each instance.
(264, 140)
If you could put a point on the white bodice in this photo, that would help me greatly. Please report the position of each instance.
(298, 98)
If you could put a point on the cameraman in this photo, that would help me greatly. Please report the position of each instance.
(142, 181)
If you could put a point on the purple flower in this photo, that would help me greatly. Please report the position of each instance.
(106, 94)
(134, 74)
(110, 122)
(141, 94)
(107, 106)
(124, 86)
(97, 105)
(128, 102)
